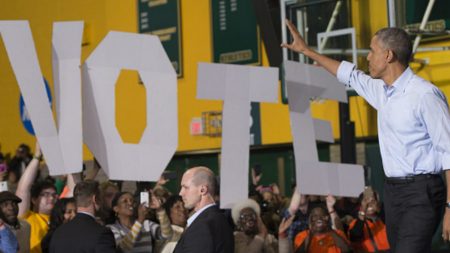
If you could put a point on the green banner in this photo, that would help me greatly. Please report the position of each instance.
(162, 18)
(236, 41)
(235, 33)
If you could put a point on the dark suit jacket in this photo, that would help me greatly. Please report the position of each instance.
(209, 233)
(82, 234)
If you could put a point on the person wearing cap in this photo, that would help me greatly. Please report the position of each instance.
(9, 211)
(251, 235)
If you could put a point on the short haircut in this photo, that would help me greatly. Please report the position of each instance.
(203, 175)
(41, 185)
(320, 207)
(397, 40)
(84, 191)
(105, 185)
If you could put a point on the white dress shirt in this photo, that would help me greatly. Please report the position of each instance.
(413, 121)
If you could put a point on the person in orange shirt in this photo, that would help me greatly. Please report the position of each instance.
(321, 237)
(368, 232)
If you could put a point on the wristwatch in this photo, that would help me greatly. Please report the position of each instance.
(447, 205)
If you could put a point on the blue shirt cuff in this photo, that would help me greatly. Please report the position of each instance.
(344, 72)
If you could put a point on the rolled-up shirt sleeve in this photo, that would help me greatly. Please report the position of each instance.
(344, 72)
(367, 87)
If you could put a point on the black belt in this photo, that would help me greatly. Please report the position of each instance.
(410, 179)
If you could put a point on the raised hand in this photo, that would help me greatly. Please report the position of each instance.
(298, 43)
(331, 200)
(255, 178)
(285, 224)
(161, 181)
(155, 202)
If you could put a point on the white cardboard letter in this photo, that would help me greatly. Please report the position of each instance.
(237, 86)
(21, 52)
(147, 160)
(313, 177)
(66, 49)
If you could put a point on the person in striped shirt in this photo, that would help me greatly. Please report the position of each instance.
(135, 235)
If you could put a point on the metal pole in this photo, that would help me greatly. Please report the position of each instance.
(392, 14)
(331, 23)
(425, 18)
(283, 27)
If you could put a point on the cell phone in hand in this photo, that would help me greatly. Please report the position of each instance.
(145, 198)
(258, 170)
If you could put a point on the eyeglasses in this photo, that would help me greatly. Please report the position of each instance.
(48, 194)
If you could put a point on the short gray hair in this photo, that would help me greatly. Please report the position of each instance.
(397, 40)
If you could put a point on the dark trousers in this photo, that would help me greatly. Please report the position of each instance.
(413, 211)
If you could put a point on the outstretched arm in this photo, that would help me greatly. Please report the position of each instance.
(26, 181)
(299, 45)
(295, 202)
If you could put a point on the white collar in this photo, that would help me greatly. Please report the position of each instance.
(196, 214)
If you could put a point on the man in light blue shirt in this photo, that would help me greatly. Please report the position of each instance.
(413, 132)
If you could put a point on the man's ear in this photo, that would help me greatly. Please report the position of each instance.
(203, 189)
(94, 200)
(390, 56)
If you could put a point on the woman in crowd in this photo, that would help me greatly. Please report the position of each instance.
(368, 232)
(177, 214)
(251, 235)
(138, 235)
(63, 211)
(107, 192)
(325, 233)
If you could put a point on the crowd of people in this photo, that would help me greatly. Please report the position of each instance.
(40, 215)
